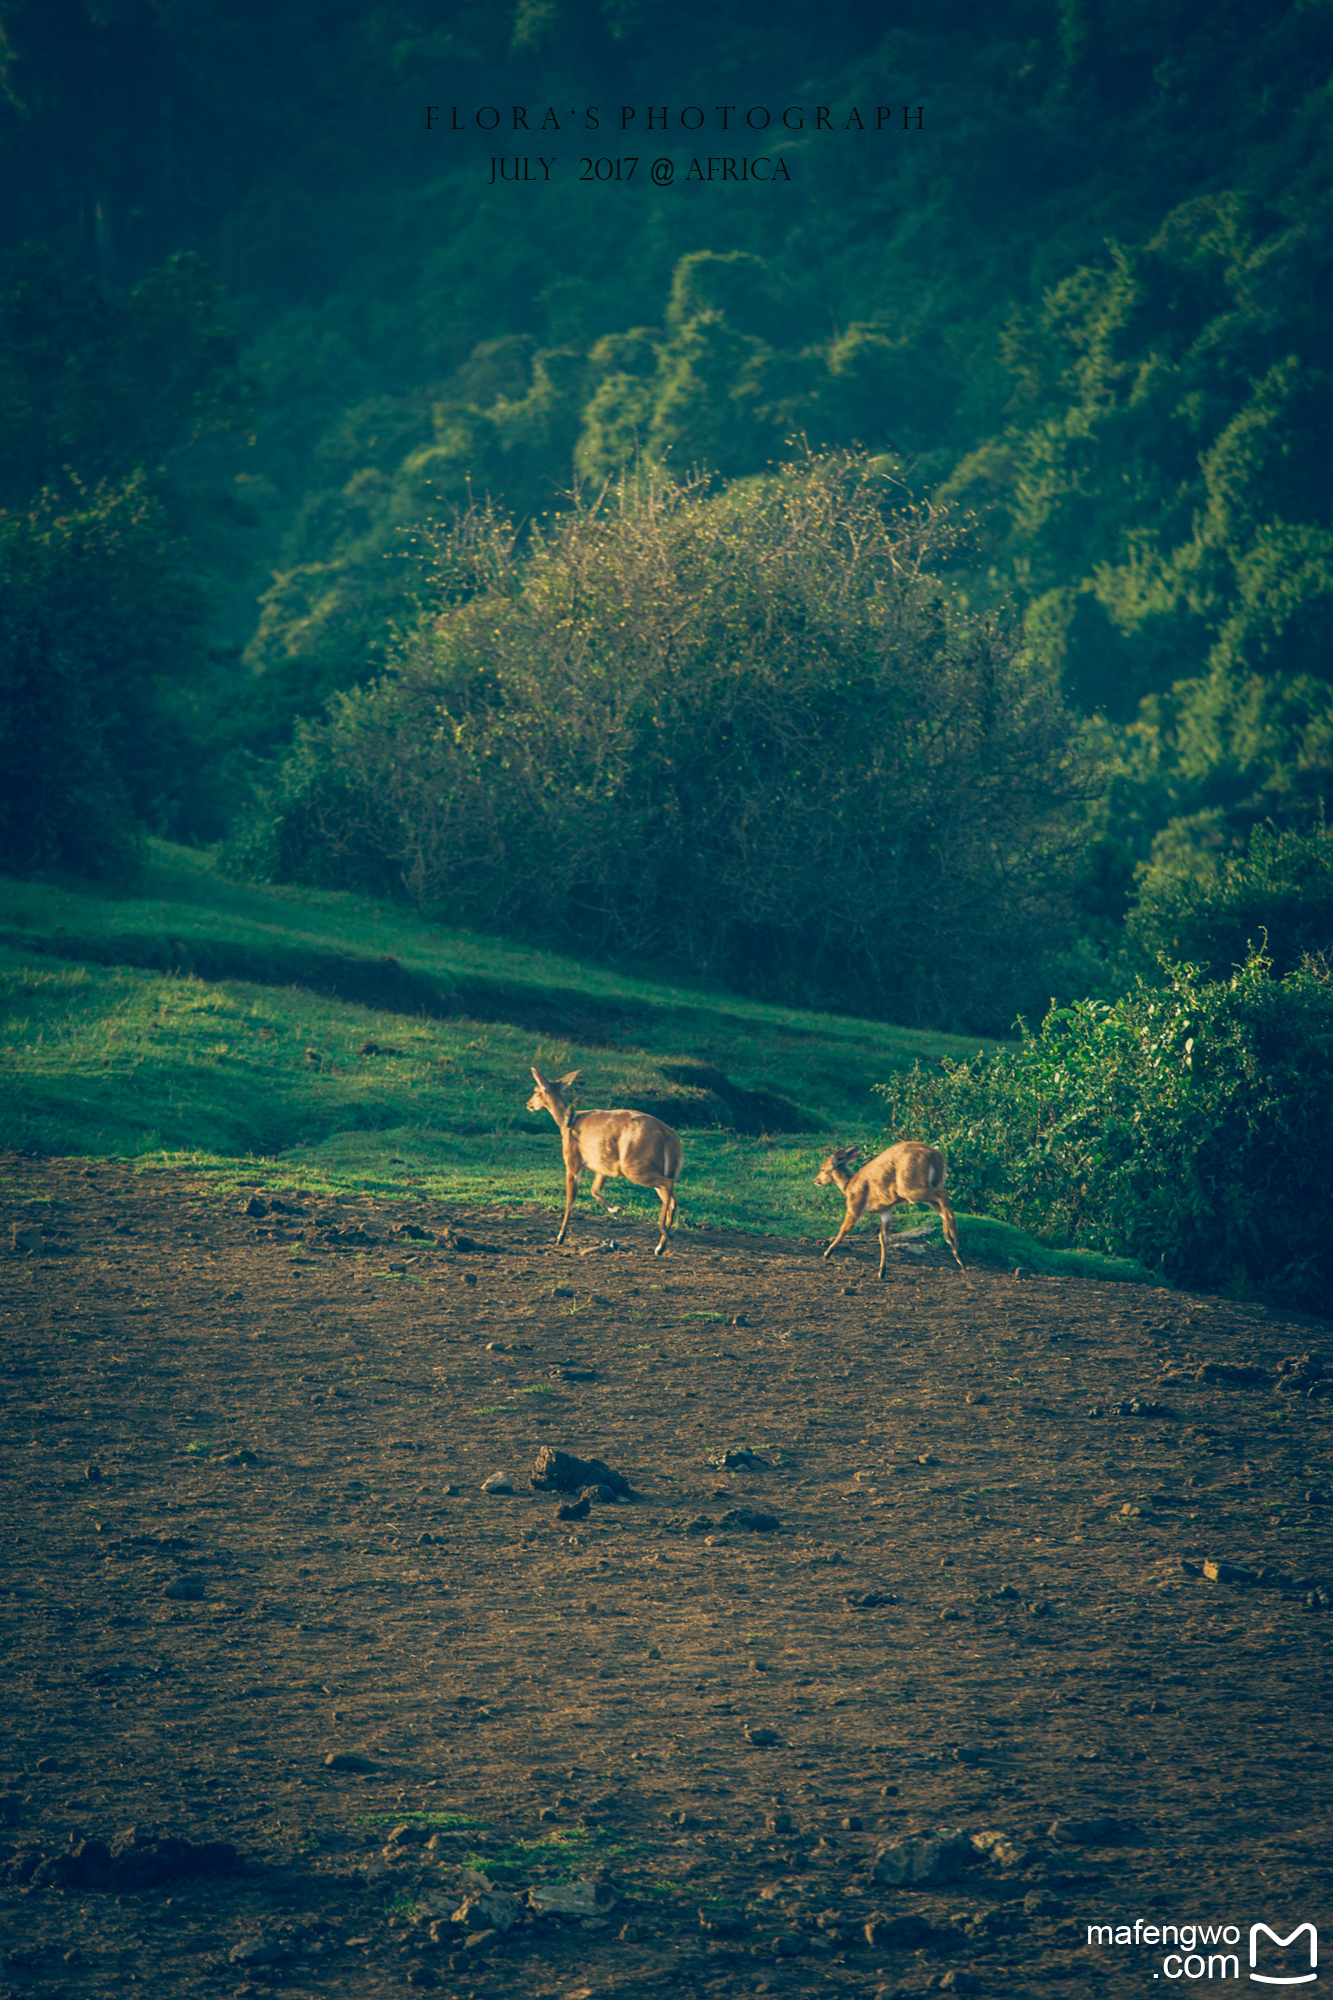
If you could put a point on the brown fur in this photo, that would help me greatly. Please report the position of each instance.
(906, 1172)
(608, 1144)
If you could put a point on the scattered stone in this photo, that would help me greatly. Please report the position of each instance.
(421, 1975)
(488, 1910)
(1238, 1574)
(574, 1510)
(571, 1899)
(977, 1396)
(699, 1525)
(763, 1738)
(561, 1472)
(923, 1860)
(407, 1835)
(750, 1520)
(1098, 1831)
(1041, 1903)
(568, 1374)
(736, 1455)
(1005, 1594)
(927, 1458)
(605, 1496)
(870, 1600)
(189, 1587)
(236, 1458)
(738, 1319)
(255, 1206)
(93, 1473)
(499, 1482)
(1246, 1374)
(997, 1846)
(718, 1923)
(259, 1950)
(779, 1822)
(348, 1760)
(958, 1980)
(562, 1291)
(452, 1492)
(850, 1823)
(134, 1860)
(896, 1933)
(47, 1764)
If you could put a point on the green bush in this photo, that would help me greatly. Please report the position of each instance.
(1186, 1125)
(1279, 893)
(750, 735)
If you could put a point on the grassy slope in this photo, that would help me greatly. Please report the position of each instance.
(98, 1057)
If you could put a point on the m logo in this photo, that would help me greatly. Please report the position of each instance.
(1287, 1978)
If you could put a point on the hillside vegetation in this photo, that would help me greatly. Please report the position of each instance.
(201, 1021)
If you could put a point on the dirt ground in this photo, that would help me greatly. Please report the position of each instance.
(983, 1610)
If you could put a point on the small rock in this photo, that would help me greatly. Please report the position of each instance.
(46, 1765)
(1247, 1374)
(958, 1980)
(850, 1823)
(1041, 1903)
(896, 1933)
(421, 1975)
(407, 1835)
(699, 1525)
(870, 1600)
(562, 1291)
(26, 1237)
(763, 1738)
(255, 1206)
(348, 1760)
(605, 1496)
(563, 1472)
(977, 1396)
(574, 1510)
(571, 1899)
(1097, 1831)
(736, 1455)
(999, 1848)
(469, 1278)
(93, 1472)
(452, 1492)
(750, 1520)
(488, 1910)
(779, 1822)
(189, 1587)
(499, 1482)
(567, 1374)
(927, 1458)
(1225, 1572)
(923, 1860)
(259, 1950)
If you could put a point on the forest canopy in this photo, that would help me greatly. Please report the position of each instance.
(260, 327)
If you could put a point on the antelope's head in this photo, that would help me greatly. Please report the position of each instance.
(837, 1168)
(554, 1097)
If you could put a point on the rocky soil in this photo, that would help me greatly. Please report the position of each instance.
(949, 1616)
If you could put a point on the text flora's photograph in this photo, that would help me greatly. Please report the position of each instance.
(666, 998)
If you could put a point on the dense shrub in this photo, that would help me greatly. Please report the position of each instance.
(95, 621)
(1279, 892)
(1186, 1125)
(748, 734)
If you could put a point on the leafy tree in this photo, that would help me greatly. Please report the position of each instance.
(746, 732)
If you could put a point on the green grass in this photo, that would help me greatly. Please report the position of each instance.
(113, 1044)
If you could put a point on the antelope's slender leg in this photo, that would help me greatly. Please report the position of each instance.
(599, 1182)
(883, 1240)
(950, 1228)
(571, 1189)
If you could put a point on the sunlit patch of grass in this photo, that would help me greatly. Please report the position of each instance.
(439, 1822)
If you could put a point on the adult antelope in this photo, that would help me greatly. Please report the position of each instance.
(906, 1172)
(608, 1144)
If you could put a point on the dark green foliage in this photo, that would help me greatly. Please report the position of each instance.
(95, 622)
(1279, 893)
(1187, 1125)
(747, 734)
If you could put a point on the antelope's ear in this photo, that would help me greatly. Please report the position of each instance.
(541, 1080)
(567, 1082)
